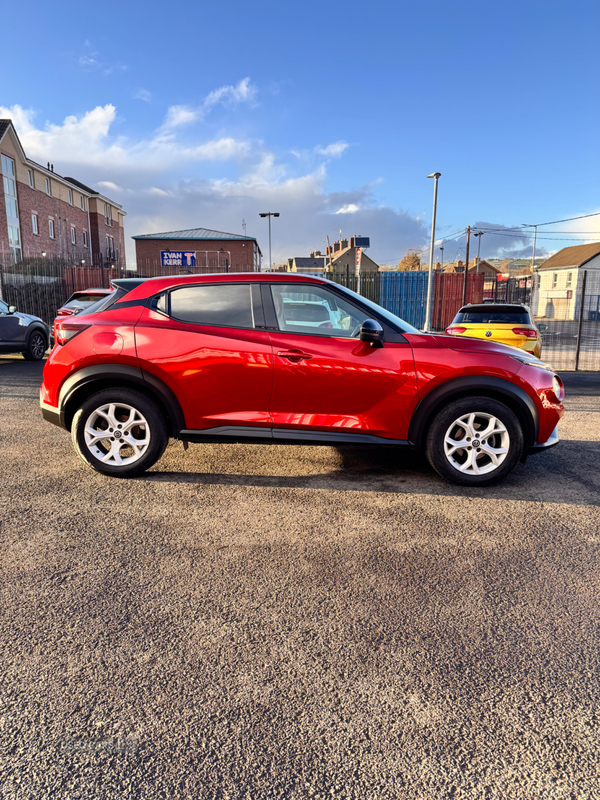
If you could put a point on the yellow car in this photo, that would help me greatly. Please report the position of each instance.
(506, 323)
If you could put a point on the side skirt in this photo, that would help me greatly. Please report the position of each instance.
(247, 435)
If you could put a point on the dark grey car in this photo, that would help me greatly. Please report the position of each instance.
(22, 333)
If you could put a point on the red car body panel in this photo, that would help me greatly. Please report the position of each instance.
(345, 383)
(232, 376)
(220, 375)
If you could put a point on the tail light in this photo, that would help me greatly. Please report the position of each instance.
(530, 333)
(65, 331)
(65, 312)
(455, 331)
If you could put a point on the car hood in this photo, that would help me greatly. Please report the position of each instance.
(27, 319)
(464, 344)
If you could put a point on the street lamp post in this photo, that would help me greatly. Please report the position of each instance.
(269, 214)
(442, 261)
(435, 176)
(479, 235)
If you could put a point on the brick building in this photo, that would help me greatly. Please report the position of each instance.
(196, 249)
(43, 213)
(343, 256)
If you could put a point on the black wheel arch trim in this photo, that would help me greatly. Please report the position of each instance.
(102, 373)
(474, 384)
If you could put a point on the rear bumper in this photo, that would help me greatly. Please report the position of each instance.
(551, 442)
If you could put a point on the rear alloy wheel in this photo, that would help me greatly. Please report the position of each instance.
(474, 441)
(119, 432)
(36, 347)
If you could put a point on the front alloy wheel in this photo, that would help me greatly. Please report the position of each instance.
(119, 432)
(36, 347)
(474, 441)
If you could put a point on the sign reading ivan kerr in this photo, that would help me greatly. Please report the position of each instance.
(177, 258)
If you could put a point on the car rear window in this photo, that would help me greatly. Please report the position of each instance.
(487, 315)
(229, 305)
(83, 300)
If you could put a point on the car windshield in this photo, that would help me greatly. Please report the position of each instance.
(487, 315)
(396, 322)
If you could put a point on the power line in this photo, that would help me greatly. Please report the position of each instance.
(568, 219)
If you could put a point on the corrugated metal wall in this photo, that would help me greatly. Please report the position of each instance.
(405, 294)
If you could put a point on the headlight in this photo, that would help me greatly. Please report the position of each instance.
(558, 388)
(533, 362)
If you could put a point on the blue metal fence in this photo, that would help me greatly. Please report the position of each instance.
(405, 294)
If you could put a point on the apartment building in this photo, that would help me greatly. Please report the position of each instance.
(43, 214)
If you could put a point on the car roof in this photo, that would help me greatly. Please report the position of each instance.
(487, 306)
(96, 290)
(160, 282)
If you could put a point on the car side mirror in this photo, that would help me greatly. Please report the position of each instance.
(371, 332)
(12, 309)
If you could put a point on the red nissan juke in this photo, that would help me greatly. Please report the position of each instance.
(269, 358)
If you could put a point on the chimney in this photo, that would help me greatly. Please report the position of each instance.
(48, 166)
(336, 247)
(353, 241)
(344, 244)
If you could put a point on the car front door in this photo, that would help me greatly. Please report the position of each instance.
(204, 341)
(325, 378)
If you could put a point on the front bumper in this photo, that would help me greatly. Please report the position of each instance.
(51, 414)
(551, 442)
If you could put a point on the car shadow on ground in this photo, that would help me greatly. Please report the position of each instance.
(567, 474)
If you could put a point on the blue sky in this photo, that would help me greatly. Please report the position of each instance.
(198, 115)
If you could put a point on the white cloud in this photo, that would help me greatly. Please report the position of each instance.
(165, 184)
(179, 115)
(112, 187)
(90, 61)
(86, 141)
(144, 95)
(332, 150)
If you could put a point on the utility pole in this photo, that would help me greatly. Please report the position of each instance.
(428, 308)
(464, 302)
(442, 262)
(534, 238)
(244, 226)
(479, 235)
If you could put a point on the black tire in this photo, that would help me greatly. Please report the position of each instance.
(36, 347)
(124, 400)
(511, 439)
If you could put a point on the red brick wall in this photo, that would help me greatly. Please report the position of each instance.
(65, 215)
(148, 253)
(100, 230)
(3, 226)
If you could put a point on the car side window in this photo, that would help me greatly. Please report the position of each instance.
(224, 304)
(302, 308)
(3, 307)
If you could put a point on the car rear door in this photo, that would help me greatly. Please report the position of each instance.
(325, 379)
(207, 342)
(13, 329)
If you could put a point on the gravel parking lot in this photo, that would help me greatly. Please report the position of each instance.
(279, 622)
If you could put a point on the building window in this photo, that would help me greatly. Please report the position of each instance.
(554, 280)
(107, 214)
(12, 209)
(34, 223)
(73, 240)
(51, 228)
(85, 238)
(30, 178)
(70, 197)
(82, 199)
(48, 187)
(569, 279)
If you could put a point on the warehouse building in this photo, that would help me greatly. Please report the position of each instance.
(196, 250)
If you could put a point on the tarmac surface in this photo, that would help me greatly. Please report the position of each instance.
(296, 622)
